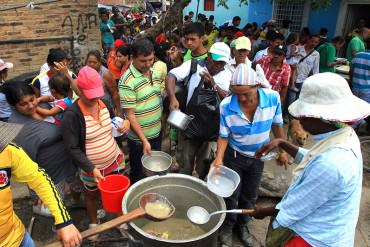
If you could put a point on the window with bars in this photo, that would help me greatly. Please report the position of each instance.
(292, 10)
(209, 5)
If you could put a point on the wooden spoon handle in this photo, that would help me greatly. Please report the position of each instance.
(137, 213)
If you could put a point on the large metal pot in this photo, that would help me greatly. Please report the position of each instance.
(179, 120)
(183, 191)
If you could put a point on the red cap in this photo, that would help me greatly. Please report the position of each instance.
(118, 43)
(239, 34)
(90, 83)
(160, 39)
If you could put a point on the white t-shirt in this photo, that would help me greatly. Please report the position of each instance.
(231, 64)
(222, 79)
(260, 54)
(44, 68)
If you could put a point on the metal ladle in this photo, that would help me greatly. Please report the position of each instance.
(199, 215)
(134, 214)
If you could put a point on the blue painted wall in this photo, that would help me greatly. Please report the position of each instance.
(221, 14)
(260, 11)
(324, 18)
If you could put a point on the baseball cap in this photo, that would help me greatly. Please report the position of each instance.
(220, 52)
(243, 43)
(280, 49)
(4, 65)
(239, 34)
(232, 44)
(118, 43)
(90, 83)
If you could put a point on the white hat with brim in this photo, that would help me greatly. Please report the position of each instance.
(328, 96)
(8, 131)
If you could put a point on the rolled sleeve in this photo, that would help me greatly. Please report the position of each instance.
(300, 155)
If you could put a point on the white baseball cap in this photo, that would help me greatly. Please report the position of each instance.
(220, 52)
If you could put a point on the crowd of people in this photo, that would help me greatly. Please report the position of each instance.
(240, 84)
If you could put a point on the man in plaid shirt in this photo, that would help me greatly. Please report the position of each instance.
(277, 71)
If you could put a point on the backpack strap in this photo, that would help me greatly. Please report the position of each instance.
(193, 69)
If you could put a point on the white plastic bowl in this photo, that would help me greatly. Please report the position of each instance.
(222, 181)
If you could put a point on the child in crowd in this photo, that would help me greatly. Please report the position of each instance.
(126, 36)
(106, 28)
(60, 89)
(293, 58)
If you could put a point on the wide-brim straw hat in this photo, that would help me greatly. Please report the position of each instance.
(328, 96)
(8, 131)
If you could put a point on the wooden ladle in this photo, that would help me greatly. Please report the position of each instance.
(134, 214)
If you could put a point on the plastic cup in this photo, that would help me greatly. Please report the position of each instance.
(112, 190)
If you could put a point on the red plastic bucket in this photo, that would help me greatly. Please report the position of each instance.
(112, 190)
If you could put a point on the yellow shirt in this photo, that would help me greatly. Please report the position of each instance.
(211, 38)
(15, 162)
(161, 69)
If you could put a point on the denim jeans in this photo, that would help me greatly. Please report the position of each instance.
(27, 241)
(193, 152)
(291, 97)
(245, 196)
(136, 152)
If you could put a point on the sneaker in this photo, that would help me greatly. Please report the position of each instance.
(40, 209)
(100, 213)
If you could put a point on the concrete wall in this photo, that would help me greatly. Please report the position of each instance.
(324, 18)
(221, 14)
(28, 34)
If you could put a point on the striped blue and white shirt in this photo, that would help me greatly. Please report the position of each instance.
(247, 136)
(361, 71)
(322, 205)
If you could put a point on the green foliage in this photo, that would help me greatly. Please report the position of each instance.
(315, 4)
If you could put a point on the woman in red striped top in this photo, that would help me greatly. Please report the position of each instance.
(88, 135)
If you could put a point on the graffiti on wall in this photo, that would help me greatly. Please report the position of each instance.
(78, 29)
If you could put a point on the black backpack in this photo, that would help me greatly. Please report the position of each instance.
(181, 89)
(204, 105)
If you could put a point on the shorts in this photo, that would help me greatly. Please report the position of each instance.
(116, 167)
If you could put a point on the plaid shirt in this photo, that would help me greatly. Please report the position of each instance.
(279, 78)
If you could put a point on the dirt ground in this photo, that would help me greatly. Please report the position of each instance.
(43, 234)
